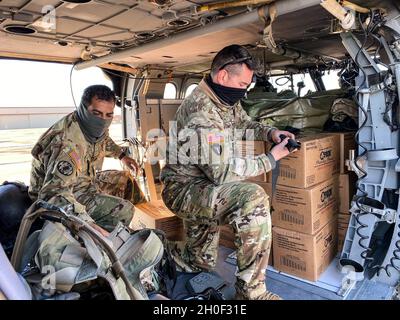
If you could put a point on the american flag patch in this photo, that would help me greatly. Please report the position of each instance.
(75, 158)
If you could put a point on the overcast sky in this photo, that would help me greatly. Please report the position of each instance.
(41, 84)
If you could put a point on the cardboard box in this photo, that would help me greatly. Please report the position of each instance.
(227, 238)
(304, 210)
(249, 148)
(156, 114)
(347, 143)
(252, 148)
(261, 178)
(303, 255)
(316, 161)
(155, 215)
(347, 189)
(153, 184)
(343, 224)
(343, 221)
(155, 192)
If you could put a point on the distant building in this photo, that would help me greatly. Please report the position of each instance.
(25, 118)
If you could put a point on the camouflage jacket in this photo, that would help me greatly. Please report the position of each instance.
(64, 164)
(215, 125)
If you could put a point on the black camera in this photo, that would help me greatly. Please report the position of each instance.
(291, 144)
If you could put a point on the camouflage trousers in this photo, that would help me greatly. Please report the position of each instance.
(203, 207)
(120, 184)
(111, 199)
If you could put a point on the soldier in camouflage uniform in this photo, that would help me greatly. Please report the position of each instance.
(203, 182)
(68, 156)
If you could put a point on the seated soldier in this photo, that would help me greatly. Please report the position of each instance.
(68, 156)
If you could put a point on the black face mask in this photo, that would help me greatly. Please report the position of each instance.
(93, 127)
(227, 94)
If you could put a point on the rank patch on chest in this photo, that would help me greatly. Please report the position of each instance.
(65, 168)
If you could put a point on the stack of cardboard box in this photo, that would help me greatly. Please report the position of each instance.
(347, 186)
(305, 206)
(155, 215)
(310, 205)
(155, 115)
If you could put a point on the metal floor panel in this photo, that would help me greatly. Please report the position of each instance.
(371, 290)
(287, 286)
(293, 288)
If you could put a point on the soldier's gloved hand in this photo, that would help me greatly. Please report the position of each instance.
(275, 135)
(131, 164)
(280, 151)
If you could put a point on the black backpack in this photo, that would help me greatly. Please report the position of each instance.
(14, 201)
